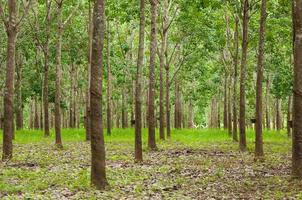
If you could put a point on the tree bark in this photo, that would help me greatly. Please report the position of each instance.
(225, 104)
(190, 115)
(236, 44)
(267, 110)
(259, 113)
(230, 106)
(108, 81)
(289, 116)
(278, 115)
(138, 86)
(242, 143)
(98, 165)
(46, 71)
(58, 77)
(297, 98)
(153, 49)
(8, 128)
(87, 119)
(168, 121)
(36, 118)
(19, 109)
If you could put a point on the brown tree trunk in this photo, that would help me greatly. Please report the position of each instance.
(225, 103)
(58, 77)
(36, 118)
(289, 116)
(235, 118)
(297, 98)
(19, 109)
(87, 114)
(46, 71)
(163, 64)
(242, 143)
(259, 113)
(8, 128)
(230, 107)
(267, 110)
(161, 92)
(72, 96)
(138, 87)
(124, 109)
(98, 165)
(278, 115)
(153, 49)
(108, 81)
(178, 106)
(31, 114)
(41, 116)
(190, 115)
(168, 121)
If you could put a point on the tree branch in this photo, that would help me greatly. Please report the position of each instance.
(66, 22)
(5, 21)
(25, 13)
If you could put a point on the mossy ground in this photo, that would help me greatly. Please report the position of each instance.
(193, 164)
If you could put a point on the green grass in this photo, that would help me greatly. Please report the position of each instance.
(192, 164)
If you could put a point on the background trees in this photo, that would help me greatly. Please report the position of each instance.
(198, 55)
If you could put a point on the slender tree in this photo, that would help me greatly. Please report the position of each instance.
(87, 120)
(153, 49)
(98, 164)
(60, 30)
(46, 69)
(267, 109)
(259, 114)
(12, 25)
(138, 86)
(289, 116)
(242, 143)
(108, 81)
(236, 44)
(18, 88)
(58, 76)
(297, 96)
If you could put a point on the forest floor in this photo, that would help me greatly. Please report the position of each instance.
(200, 164)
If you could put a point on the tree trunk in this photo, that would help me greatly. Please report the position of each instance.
(297, 98)
(124, 109)
(230, 107)
(98, 165)
(87, 114)
(9, 82)
(242, 143)
(259, 114)
(72, 95)
(289, 116)
(168, 122)
(108, 81)
(190, 115)
(278, 115)
(153, 49)
(161, 92)
(31, 114)
(267, 110)
(225, 104)
(235, 118)
(46, 71)
(19, 109)
(36, 118)
(138, 87)
(58, 78)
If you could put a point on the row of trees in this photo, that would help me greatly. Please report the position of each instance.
(193, 45)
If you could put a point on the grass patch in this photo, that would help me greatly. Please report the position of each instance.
(191, 164)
